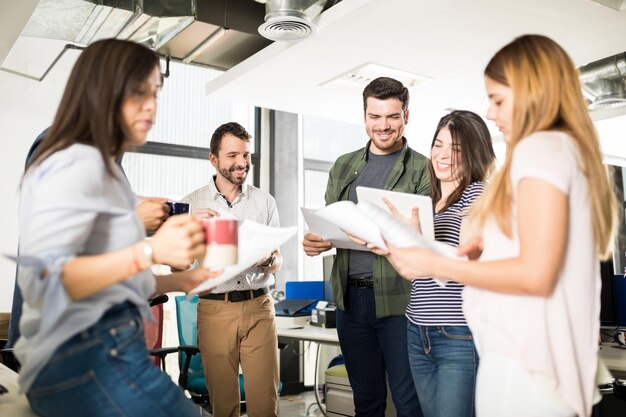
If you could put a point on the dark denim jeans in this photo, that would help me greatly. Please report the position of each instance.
(444, 364)
(106, 371)
(375, 351)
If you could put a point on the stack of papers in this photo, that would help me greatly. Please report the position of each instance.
(369, 221)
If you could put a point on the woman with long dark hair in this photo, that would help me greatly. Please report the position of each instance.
(440, 345)
(85, 266)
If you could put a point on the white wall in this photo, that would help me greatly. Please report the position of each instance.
(26, 108)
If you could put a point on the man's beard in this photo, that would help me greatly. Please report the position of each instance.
(228, 174)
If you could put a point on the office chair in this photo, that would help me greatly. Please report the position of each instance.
(7, 356)
(153, 331)
(191, 374)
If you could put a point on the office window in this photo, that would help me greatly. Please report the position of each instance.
(165, 176)
(323, 142)
(314, 188)
(186, 117)
(326, 140)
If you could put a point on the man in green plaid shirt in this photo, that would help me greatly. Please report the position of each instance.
(370, 295)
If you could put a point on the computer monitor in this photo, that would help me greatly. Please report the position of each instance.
(327, 264)
(608, 307)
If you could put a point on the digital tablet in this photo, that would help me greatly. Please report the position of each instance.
(404, 202)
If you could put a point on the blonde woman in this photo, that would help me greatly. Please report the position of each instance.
(532, 300)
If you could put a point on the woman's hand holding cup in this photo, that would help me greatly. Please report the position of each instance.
(178, 242)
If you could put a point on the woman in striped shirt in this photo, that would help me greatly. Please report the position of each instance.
(441, 350)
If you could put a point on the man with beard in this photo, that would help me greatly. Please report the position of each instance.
(236, 323)
(370, 295)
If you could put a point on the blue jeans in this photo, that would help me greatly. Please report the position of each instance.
(375, 351)
(106, 371)
(443, 363)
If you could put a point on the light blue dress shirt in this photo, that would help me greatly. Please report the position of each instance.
(70, 206)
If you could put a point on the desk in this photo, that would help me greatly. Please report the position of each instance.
(319, 335)
(614, 359)
(12, 404)
(310, 333)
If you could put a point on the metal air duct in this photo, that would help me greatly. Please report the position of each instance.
(290, 19)
(604, 82)
(219, 34)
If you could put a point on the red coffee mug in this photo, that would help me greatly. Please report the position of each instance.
(222, 240)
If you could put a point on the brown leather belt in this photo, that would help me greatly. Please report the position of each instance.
(236, 296)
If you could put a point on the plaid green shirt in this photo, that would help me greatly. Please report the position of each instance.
(409, 174)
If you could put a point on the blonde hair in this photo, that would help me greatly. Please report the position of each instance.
(547, 96)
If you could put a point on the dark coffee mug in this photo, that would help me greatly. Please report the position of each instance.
(177, 208)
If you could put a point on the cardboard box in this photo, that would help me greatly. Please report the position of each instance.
(324, 317)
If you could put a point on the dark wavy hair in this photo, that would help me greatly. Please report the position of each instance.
(233, 128)
(383, 88)
(105, 73)
(470, 134)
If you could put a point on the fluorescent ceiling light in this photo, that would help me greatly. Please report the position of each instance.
(361, 76)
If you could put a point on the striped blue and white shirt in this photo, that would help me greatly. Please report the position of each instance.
(430, 304)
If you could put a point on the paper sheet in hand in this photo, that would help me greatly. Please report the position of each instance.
(404, 202)
(328, 222)
(256, 242)
(399, 234)
(373, 224)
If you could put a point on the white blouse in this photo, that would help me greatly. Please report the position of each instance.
(558, 335)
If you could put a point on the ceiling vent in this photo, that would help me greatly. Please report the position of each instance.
(287, 20)
(604, 82)
(219, 34)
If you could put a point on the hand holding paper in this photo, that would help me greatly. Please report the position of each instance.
(314, 245)
(255, 242)
(404, 205)
(336, 220)
(370, 223)
(333, 221)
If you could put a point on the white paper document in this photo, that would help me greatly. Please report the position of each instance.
(331, 221)
(256, 242)
(404, 203)
(372, 224)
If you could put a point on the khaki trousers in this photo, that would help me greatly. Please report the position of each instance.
(230, 334)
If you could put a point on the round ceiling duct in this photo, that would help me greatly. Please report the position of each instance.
(604, 82)
(287, 28)
(289, 20)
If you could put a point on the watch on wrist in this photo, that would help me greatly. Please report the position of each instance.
(148, 252)
(270, 261)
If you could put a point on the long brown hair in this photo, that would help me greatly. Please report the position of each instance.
(469, 133)
(106, 72)
(547, 96)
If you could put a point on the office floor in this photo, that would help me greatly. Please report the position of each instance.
(301, 405)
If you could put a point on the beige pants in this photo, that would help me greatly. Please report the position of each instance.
(233, 333)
